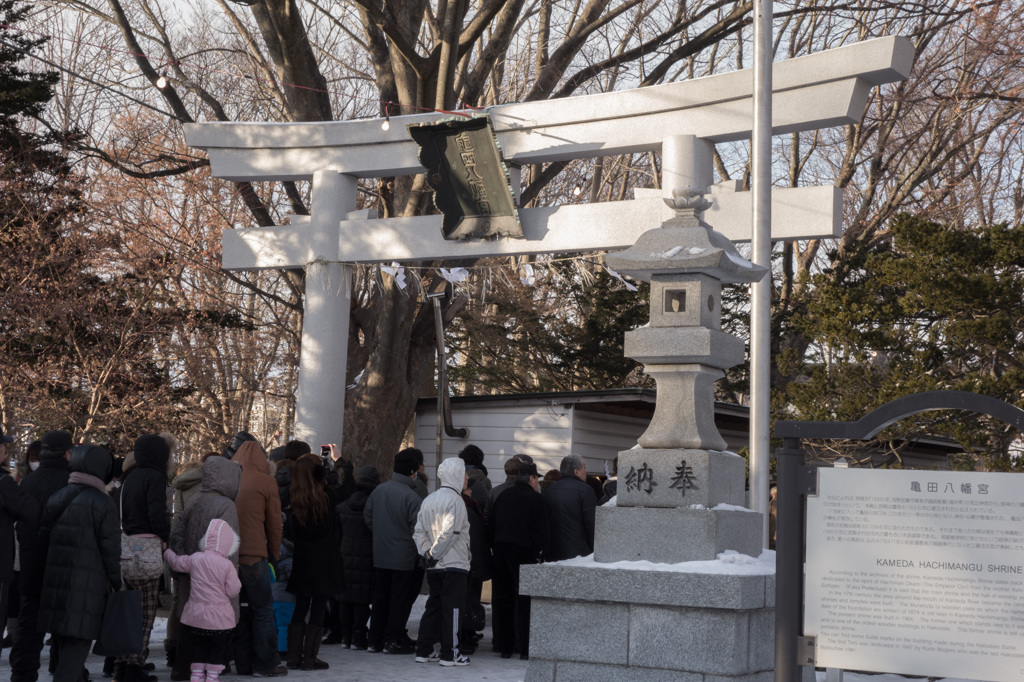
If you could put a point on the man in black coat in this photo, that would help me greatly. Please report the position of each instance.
(571, 505)
(14, 505)
(511, 464)
(518, 527)
(51, 476)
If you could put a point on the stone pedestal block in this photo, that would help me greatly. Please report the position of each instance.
(590, 623)
(680, 478)
(671, 536)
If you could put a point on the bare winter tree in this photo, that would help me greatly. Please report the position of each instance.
(317, 60)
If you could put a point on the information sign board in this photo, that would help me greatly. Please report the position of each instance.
(917, 572)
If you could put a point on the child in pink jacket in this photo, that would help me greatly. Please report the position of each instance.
(208, 616)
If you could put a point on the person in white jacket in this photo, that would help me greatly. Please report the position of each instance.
(442, 539)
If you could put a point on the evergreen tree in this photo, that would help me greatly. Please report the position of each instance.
(78, 329)
(37, 194)
(562, 332)
(934, 308)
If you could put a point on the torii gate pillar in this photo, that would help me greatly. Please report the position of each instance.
(320, 397)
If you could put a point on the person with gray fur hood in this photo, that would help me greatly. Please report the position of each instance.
(218, 489)
(442, 539)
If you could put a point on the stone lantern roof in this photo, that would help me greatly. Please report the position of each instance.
(685, 244)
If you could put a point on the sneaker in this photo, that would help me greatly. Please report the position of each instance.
(370, 649)
(279, 671)
(434, 657)
(458, 660)
(398, 648)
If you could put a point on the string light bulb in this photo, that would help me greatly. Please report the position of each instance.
(576, 190)
(386, 125)
(161, 82)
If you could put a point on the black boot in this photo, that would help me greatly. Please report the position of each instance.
(135, 673)
(170, 649)
(295, 633)
(333, 637)
(311, 647)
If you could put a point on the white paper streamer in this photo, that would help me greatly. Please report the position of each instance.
(527, 277)
(396, 271)
(617, 276)
(455, 275)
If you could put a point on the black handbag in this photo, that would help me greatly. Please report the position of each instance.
(121, 632)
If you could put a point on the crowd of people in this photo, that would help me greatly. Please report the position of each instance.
(269, 556)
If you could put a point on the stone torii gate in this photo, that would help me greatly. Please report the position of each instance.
(683, 120)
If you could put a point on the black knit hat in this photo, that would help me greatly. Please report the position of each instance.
(368, 477)
(408, 461)
(55, 444)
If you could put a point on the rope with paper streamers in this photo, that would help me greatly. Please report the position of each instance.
(409, 278)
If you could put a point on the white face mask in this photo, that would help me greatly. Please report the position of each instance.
(33, 465)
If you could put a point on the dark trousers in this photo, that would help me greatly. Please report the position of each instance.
(241, 644)
(391, 605)
(13, 597)
(332, 618)
(473, 617)
(5, 590)
(418, 575)
(314, 607)
(353, 619)
(440, 620)
(26, 650)
(255, 579)
(71, 655)
(511, 611)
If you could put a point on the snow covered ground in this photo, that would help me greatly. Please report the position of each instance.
(359, 666)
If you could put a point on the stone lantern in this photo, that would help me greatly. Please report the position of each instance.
(680, 499)
(680, 460)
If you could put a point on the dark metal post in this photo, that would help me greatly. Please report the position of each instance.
(789, 570)
(444, 408)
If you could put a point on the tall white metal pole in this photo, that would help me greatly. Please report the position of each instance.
(761, 292)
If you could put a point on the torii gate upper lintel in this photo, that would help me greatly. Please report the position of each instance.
(683, 120)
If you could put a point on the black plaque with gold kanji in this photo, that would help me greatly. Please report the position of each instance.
(470, 180)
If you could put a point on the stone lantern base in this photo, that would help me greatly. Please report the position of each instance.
(593, 620)
(591, 623)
